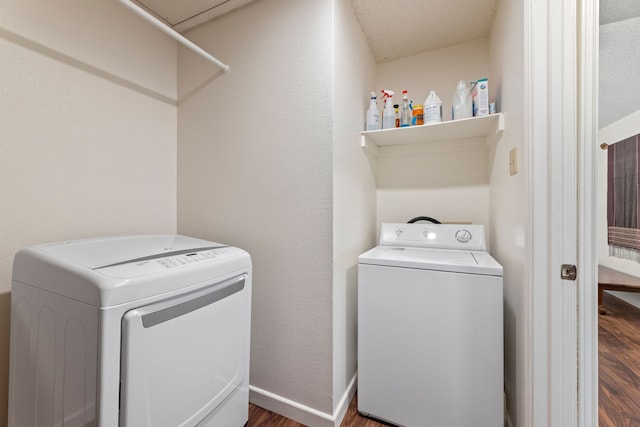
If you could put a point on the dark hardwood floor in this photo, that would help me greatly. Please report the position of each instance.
(619, 374)
(259, 417)
(619, 364)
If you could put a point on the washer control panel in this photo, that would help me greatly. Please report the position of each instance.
(443, 236)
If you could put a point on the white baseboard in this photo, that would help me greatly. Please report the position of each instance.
(302, 413)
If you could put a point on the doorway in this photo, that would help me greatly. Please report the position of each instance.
(619, 118)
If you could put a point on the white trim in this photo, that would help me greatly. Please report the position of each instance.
(587, 216)
(553, 212)
(565, 334)
(343, 405)
(539, 227)
(302, 413)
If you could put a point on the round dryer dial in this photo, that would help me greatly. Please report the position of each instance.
(463, 236)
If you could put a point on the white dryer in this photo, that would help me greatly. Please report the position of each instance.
(430, 328)
(130, 331)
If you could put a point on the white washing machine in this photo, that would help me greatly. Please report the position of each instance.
(430, 328)
(130, 331)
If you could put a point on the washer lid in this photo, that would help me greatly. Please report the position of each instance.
(474, 262)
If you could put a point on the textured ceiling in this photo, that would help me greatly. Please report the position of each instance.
(618, 10)
(398, 28)
(619, 59)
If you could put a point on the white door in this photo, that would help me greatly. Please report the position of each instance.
(182, 357)
(562, 130)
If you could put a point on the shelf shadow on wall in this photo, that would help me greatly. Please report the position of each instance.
(198, 88)
(73, 62)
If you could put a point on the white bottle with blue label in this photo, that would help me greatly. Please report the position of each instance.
(432, 109)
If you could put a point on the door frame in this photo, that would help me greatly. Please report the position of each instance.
(588, 83)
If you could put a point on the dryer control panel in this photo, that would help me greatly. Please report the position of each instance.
(190, 258)
(165, 261)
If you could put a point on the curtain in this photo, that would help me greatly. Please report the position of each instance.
(623, 187)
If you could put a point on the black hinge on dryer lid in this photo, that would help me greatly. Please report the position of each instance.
(568, 272)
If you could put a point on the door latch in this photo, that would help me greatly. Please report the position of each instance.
(568, 272)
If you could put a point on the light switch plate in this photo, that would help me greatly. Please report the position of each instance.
(513, 161)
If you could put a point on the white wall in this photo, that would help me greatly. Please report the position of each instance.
(451, 186)
(88, 138)
(354, 192)
(509, 198)
(255, 171)
(617, 131)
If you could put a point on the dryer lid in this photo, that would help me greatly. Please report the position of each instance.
(106, 251)
(113, 270)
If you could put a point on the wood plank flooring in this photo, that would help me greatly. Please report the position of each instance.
(619, 364)
(259, 417)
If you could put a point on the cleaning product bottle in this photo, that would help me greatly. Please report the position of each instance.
(413, 113)
(388, 114)
(432, 109)
(418, 115)
(396, 108)
(373, 115)
(461, 107)
(405, 112)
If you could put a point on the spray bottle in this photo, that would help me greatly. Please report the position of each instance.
(405, 112)
(373, 115)
(388, 114)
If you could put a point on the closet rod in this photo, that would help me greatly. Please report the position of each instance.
(173, 33)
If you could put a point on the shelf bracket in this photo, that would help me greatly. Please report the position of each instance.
(173, 33)
(372, 148)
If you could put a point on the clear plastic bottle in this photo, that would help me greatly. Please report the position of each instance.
(373, 115)
(461, 107)
(405, 112)
(388, 114)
